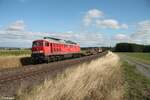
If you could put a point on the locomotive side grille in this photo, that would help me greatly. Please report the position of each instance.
(38, 56)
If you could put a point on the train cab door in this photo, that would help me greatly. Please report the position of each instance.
(47, 48)
(51, 47)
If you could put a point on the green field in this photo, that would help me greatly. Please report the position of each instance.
(137, 85)
(145, 56)
(15, 52)
(142, 57)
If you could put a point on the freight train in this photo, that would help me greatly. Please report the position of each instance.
(51, 49)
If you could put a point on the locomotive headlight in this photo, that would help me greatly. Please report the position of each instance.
(41, 51)
(38, 51)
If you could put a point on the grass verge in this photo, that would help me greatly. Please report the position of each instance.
(137, 85)
(100, 79)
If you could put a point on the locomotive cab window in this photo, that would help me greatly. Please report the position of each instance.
(46, 44)
(37, 43)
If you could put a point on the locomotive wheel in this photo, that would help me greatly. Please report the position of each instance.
(48, 59)
(52, 59)
(59, 58)
(33, 61)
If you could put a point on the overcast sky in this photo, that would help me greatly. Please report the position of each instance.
(87, 22)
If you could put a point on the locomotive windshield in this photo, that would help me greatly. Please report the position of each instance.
(37, 43)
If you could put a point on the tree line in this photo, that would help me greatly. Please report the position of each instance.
(131, 47)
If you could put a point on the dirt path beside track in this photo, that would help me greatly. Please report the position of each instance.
(142, 67)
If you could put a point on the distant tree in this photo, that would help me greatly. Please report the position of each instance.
(131, 47)
(137, 48)
(146, 48)
(123, 47)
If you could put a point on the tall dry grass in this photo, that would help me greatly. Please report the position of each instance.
(10, 62)
(100, 79)
(14, 61)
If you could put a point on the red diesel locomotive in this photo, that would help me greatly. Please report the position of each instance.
(52, 49)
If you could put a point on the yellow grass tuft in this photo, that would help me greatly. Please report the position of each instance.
(98, 80)
(9, 62)
(14, 61)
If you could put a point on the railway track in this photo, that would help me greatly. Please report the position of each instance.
(19, 76)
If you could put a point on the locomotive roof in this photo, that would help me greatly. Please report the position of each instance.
(56, 40)
(52, 38)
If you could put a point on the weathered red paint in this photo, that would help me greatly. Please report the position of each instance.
(51, 48)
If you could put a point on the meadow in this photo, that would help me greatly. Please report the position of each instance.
(143, 57)
(137, 86)
(14, 58)
(15, 52)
